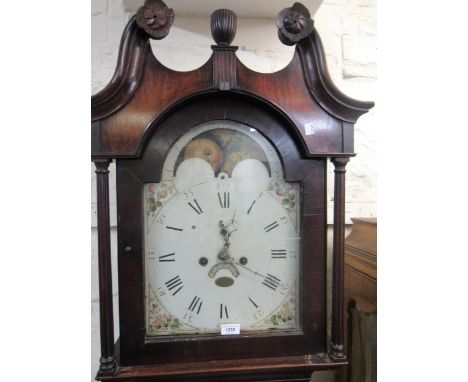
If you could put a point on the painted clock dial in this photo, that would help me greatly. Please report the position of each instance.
(222, 240)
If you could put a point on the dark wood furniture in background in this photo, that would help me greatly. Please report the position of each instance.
(361, 264)
(361, 299)
(137, 117)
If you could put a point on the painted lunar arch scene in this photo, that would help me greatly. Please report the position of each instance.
(222, 236)
(223, 149)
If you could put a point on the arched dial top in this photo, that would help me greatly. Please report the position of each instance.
(223, 143)
(222, 240)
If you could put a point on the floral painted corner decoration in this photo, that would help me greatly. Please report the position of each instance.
(155, 18)
(287, 195)
(283, 317)
(294, 24)
(157, 194)
(159, 320)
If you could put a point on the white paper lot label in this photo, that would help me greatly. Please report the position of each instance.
(230, 329)
(309, 129)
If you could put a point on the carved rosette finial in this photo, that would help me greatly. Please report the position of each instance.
(294, 24)
(223, 26)
(155, 18)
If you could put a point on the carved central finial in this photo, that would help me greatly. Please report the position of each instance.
(223, 26)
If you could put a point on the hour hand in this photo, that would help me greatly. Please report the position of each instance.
(225, 234)
(223, 230)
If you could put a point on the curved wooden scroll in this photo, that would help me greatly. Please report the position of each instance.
(321, 85)
(134, 46)
(143, 91)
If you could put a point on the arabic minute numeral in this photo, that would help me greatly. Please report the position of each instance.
(188, 195)
(223, 185)
(283, 288)
(258, 313)
(161, 219)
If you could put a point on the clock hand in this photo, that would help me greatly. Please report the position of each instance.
(233, 217)
(248, 269)
(223, 227)
(230, 233)
(224, 255)
(232, 220)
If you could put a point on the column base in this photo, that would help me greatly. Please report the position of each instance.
(107, 367)
(337, 352)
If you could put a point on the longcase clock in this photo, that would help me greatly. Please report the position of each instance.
(221, 202)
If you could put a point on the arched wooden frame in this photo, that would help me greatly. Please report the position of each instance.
(302, 90)
(132, 174)
(300, 111)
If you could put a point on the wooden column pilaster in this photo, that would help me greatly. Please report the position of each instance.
(337, 329)
(107, 360)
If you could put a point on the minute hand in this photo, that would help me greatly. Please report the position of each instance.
(248, 269)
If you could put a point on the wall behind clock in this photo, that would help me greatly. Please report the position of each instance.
(348, 30)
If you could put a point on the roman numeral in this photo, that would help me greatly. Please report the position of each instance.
(168, 257)
(196, 304)
(223, 312)
(174, 228)
(224, 201)
(195, 206)
(278, 253)
(173, 283)
(271, 281)
(271, 226)
(250, 208)
(253, 302)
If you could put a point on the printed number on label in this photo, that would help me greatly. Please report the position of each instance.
(230, 329)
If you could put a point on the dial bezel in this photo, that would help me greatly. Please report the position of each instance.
(132, 174)
(167, 314)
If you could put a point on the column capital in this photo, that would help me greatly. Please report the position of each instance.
(340, 163)
(102, 165)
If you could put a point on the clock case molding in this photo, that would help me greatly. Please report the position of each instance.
(135, 120)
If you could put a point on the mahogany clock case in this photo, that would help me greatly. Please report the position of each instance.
(138, 117)
(132, 174)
